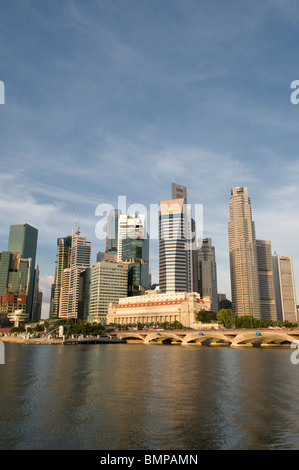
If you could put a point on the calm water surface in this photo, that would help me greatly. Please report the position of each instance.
(139, 397)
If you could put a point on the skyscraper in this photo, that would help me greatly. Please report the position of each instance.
(37, 297)
(14, 282)
(130, 226)
(135, 253)
(207, 272)
(23, 240)
(80, 260)
(266, 280)
(172, 246)
(64, 295)
(112, 231)
(242, 255)
(179, 191)
(108, 283)
(284, 288)
(63, 261)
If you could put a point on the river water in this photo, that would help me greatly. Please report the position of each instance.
(139, 397)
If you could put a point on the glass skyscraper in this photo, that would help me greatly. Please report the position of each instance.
(112, 231)
(135, 252)
(23, 240)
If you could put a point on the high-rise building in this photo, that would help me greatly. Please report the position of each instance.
(242, 255)
(130, 226)
(135, 253)
(37, 297)
(108, 283)
(23, 240)
(179, 191)
(207, 272)
(112, 231)
(84, 294)
(284, 288)
(80, 260)
(14, 282)
(173, 270)
(63, 261)
(266, 280)
(64, 295)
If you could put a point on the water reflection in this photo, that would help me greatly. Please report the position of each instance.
(148, 397)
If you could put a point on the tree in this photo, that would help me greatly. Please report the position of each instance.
(225, 316)
(206, 316)
(247, 321)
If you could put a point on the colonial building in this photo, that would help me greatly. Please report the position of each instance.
(155, 307)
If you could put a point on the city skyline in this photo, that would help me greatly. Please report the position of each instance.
(122, 99)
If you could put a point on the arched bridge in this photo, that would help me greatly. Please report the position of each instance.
(232, 338)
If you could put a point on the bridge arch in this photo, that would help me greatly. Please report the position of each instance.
(210, 337)
(162, 337)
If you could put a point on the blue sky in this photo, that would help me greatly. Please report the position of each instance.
(109, 98)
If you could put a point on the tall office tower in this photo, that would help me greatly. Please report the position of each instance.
(37, 297)
(112, 231)
(284, 288)
(108, 283)
(242, 255)
(207, 272)
(63, 261)
(14, 282)
(133, 226)
(64, 295)
(179, 191)
(23, 240)
(266, 280)
(84, 294)
(172, 246)
(135, 253)
(80, 260)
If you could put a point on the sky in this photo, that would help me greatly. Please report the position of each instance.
(107, 99)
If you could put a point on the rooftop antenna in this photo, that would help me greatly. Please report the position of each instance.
(77, 227)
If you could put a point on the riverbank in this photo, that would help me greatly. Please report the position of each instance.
(14, 339)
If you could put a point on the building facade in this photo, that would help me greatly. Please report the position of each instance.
(63, 261)
(173, 267)
(14, 282)
(130, 226)
(108, 282)
(155, 307)
(207, 272)
(64, 294)
(285, 288)
(135, 253)
(243, 256)
(112, 231)
(80, 260)
(23, 240)
(266, 280)
(180, 192)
